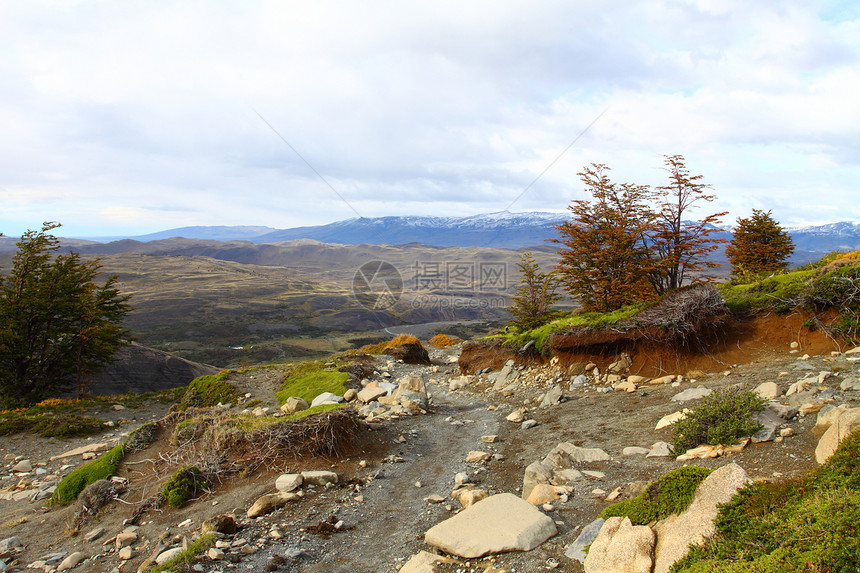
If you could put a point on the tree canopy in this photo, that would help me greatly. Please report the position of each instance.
(759, 245)
(57, 326)
(631, 243)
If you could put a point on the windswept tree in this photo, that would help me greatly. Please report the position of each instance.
(604, 259)
(679, 247)
(57, 326)
(532, 303)
(759, 245)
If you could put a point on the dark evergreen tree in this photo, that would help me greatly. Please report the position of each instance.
(57, 326)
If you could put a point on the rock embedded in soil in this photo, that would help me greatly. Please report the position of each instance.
(294, 404)
(499, 523)
(768, 390)
(621, 546)
(576, 550)
(289, 482)
(319, 477)
(677, 532)
(270, 502)
(424, 562)
(71, 561)
(847, 422)
(692, 394)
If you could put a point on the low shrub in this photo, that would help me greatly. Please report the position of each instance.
(183, 485)
(724, 417)
(671, 494)
(443, 340)
(208, 391)
(49, 424)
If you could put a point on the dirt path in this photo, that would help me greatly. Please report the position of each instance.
(387, 527)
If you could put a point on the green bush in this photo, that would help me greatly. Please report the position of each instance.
(671, 494)
(183, 485)
(310, 379)
(724, 417)
(806, 524)
(207, 391)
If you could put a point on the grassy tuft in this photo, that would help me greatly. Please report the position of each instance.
(443, 340)
(184, 560)
(724, 417)
(671, 494)
(101, 468)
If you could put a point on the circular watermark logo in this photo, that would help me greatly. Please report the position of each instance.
(377, 285)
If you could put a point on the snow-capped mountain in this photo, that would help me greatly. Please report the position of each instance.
(504, 230)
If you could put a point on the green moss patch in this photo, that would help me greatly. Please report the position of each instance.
(807, 524)
(208, 391)
(310, 379)
(671, 494)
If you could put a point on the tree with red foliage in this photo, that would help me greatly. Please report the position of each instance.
(603, 261)
(679, 248)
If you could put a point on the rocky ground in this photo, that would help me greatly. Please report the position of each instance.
(398, 483)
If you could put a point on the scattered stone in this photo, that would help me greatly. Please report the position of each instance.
(576, 550)
(628, 387)
(327, 398)
(99, 447)
(663, 380)
(9, 544)
(434, 498)
(635, 451)
(94, 534)
(616, 493)
(23, 466)
(670, 419)
(496, 524)
(786, 432)
(350, 395)
(621, 546)
(125, 539)
(517, 416)
(491, 439)
(425, 562)
(369, 394)
(469, 497)
(126, 553)
(542, 493)
(768, 390)
(552, 397)
(269, 503)
(827, 415)
(692, 394)
(578, 381)
(528, 424)
(289, 482)
(594, 474)
(810, 408)
(477, 456)
(319, 478)
(850, 384)
(634, 379)
(71, 561)
(169, 554)
(215, 554)
(660, 450)
(294, 404)
(461, 478)
(677, 532)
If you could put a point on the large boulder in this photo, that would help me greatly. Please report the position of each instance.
(677, 532)
(499, 523)
(846, 423)
(621, 547)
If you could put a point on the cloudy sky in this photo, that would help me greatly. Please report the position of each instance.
(134, 117)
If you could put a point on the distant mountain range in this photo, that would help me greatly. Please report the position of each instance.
(503, 230)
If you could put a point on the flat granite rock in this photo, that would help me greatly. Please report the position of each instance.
(499, 523)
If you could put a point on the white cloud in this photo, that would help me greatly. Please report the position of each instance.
(141, 116)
